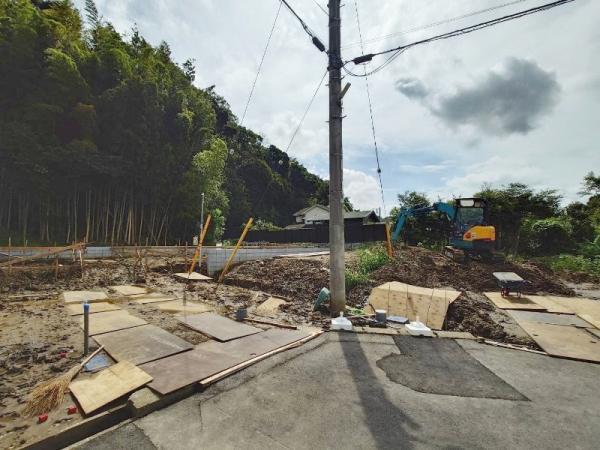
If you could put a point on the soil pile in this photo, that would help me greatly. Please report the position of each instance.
(422, 267)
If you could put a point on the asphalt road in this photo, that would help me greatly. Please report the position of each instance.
(369, 391)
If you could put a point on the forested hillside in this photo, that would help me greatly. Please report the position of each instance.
(108, 139)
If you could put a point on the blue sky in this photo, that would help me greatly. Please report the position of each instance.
(516, 102)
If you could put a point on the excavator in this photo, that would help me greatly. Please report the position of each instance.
(471, 234)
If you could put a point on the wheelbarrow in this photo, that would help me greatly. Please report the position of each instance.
(509, 282)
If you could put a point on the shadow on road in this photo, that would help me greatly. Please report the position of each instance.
(388, 424)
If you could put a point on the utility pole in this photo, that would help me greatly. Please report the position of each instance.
(337, 284)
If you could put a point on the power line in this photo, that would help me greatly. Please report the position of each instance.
(431, 25)
(362, 49)
(400, 49)
(321, 8)
(305, 112)
(261, 63)
(315, 40)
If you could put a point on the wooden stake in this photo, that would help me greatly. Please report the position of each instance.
(390, 249)
(237, 246)
(198, 252)
(9, 255)
(56, 268)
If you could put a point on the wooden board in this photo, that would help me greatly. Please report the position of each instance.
(142, 344)
(587, 309)
(548, 318)
(152, 297)
(177, 306)
(564, 341)
(551, 305)
(108, 385)
(83, 296)
(269, 307)
(594, 331)
(128, 289)
(194, 276)
(216, 326)
(210, 358)
(105, 322)
(514, 302)
(400, 299)
(75, 310)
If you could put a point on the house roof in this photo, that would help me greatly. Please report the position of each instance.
(304, 210)
(358, 214)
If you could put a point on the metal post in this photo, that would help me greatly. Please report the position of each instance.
(201, 215)
(336, 211)
(86, 328)
(201, 233)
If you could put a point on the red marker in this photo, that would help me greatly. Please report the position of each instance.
(72, 409)
(42, 418)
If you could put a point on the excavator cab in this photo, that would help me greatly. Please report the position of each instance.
(471, 232)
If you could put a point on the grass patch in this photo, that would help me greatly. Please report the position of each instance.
(369, 259)
(573, 264)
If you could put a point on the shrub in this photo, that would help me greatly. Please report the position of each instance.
(371, 258)
(355, 278)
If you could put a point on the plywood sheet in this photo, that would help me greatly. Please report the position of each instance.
(216, 326)
(128, 289)
(587, 309)
(551, 305)
(155, 297)
(83, 296)
(76, 310)
(564, 341)
(194, 276)
(400, 299)
(548, 318)
(108, 385)
(177, 306)
(142, 344)
(210, 358)
(105, 322)
(269, 307)
(514, 302)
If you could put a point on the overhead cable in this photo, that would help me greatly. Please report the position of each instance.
(370, 111)
(431, 25)
(305, 112)
(315, 40)
(260, 65)
(400, 49)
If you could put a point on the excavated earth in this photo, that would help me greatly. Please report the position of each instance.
(300, 280)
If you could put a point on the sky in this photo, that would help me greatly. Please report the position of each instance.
(517, 102)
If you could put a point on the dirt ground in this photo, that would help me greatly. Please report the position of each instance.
(40, 341)
(300, 281)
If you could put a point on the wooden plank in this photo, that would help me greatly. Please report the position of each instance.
(237, 368)
(507, 276)
(551, 305)
(128, 289)
(177, 306)
(108, 385)
(83, 296)
(564, 341)
(216, 326)
(77, 310)
(548, 318)
(514, 302)
(269, 307)
(210, 358)
(105, 322)
(194, 276)
(142, 344)
(43, 254)
(400, 299)
(585, 308)
(155, 297)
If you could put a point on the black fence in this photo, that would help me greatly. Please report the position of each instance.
(317, 234)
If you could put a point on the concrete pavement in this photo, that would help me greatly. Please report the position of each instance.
(332, 393)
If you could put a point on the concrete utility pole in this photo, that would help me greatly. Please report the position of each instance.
(337, 284)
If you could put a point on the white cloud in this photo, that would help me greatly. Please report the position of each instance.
(362, 189)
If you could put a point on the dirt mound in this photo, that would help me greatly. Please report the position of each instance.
(422, 267)
(297, 280)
